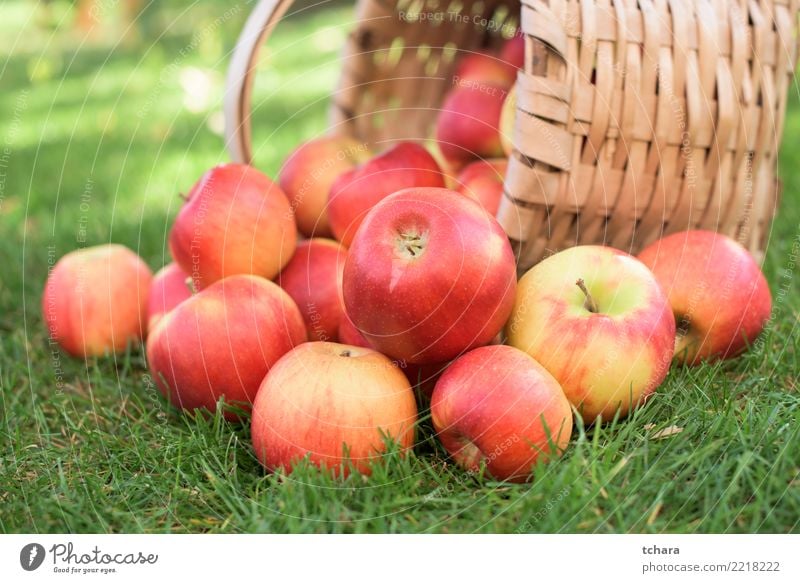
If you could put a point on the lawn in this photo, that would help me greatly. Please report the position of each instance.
(97, 141)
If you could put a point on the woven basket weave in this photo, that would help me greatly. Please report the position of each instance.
(635, 118)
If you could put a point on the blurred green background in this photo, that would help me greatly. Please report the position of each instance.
(109, 122)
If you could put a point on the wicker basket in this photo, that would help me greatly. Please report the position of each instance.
(635, 118)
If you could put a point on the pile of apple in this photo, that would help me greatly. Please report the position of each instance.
(331, 306)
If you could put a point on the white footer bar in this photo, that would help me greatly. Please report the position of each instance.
(402, 558)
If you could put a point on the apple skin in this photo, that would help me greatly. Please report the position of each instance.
(718, 294)
(448, 174)
(170, 287)
(95, 300)
(323, 396)
(482, 180)
(482, 68)
(222, 341)
(355, 192)
(349, 334)
(308, 174)
(507, 115)
(513, 51)
(234, 221)
(313, 278)
(429, 276)
(498, 405)
(468, 125)
(423, 377)
(605, 361)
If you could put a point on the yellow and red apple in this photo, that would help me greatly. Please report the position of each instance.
(308, 174)
(507, 115)
(718, 294)
(235, 221)
(597, 320)
(429, 275)
(333, 404)
(95, 300)
(497, 405)
(313, 279)
(222, 341)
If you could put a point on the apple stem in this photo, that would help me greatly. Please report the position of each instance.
(413, 243)
(589, 304)
(683, 326)
(345, 353)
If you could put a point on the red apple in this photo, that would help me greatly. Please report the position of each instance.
(349, 334)
(429, 276)
(468, 125)
(498, 405)
(597, 320)
(170, 286)
(222, 341)
(234, 221)
(95, 300)
(333, 403)
(482, 180)
(308, 174)
(313, 278)
(718, 294)
(477, 68)
(354, 193)
(513, 51)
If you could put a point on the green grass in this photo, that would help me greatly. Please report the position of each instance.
(92, 447)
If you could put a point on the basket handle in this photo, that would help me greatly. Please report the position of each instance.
(239, 84)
